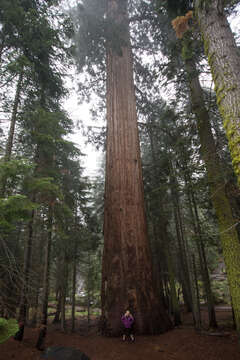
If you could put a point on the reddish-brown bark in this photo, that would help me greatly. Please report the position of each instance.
(127, 271)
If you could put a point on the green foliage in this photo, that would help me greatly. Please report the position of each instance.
(90, 35)
(36, 42)
(221, 292)
(13, 209)
(93, 31)
(7, 329)
(26, 28)
(15, 169)
(45, 189)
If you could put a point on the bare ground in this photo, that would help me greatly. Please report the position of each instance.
(182, 343)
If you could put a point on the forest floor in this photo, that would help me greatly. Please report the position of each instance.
(182, 343)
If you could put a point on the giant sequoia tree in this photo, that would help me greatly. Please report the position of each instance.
(127, 272)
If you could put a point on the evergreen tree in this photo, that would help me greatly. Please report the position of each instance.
(224, 60)
(124, 216)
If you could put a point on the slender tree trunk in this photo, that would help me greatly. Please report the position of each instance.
(64, 293)
(204, 270)
(14, 117)
(201, 253)
(173, 292)
(227, 225)
(196, 297)
(35, 309)
(88, 308)
(43, 329)
(193, 286)
(9, 280)
(233, 318)
(88, 290)
(184, 277)
(63, 309)
(184, 272)
(157, 253)
(9, 145)
(59, 277)
(162, 242)
(74, 276)
(58, 309)
(167, 293)
(37, 261)
(2, 46)
(127, 270)
(224, 60)
(25, 287)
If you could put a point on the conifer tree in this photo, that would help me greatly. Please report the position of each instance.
(127, 268)
(223, 57)
(126, 244)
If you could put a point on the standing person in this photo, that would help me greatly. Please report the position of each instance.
(127, 320)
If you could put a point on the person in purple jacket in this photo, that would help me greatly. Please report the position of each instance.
(127, 320)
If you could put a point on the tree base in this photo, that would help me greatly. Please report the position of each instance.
(150, 326)
(19, 335)
(41, 338)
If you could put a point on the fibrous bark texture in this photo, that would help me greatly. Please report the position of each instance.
(224, 60)
(227, 224)
(127, 271)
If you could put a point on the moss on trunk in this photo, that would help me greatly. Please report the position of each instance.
(227, 226)
(224, 60)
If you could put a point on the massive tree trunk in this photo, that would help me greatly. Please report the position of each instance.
(127, 270)
(224, 61)
(220, 201)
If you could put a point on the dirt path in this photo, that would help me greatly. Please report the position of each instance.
(178, 344)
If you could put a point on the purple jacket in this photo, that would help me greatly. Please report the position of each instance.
(127, 321)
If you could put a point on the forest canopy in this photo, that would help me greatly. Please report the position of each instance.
(157, 229)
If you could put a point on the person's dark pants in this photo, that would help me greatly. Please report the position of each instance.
(128, 331)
